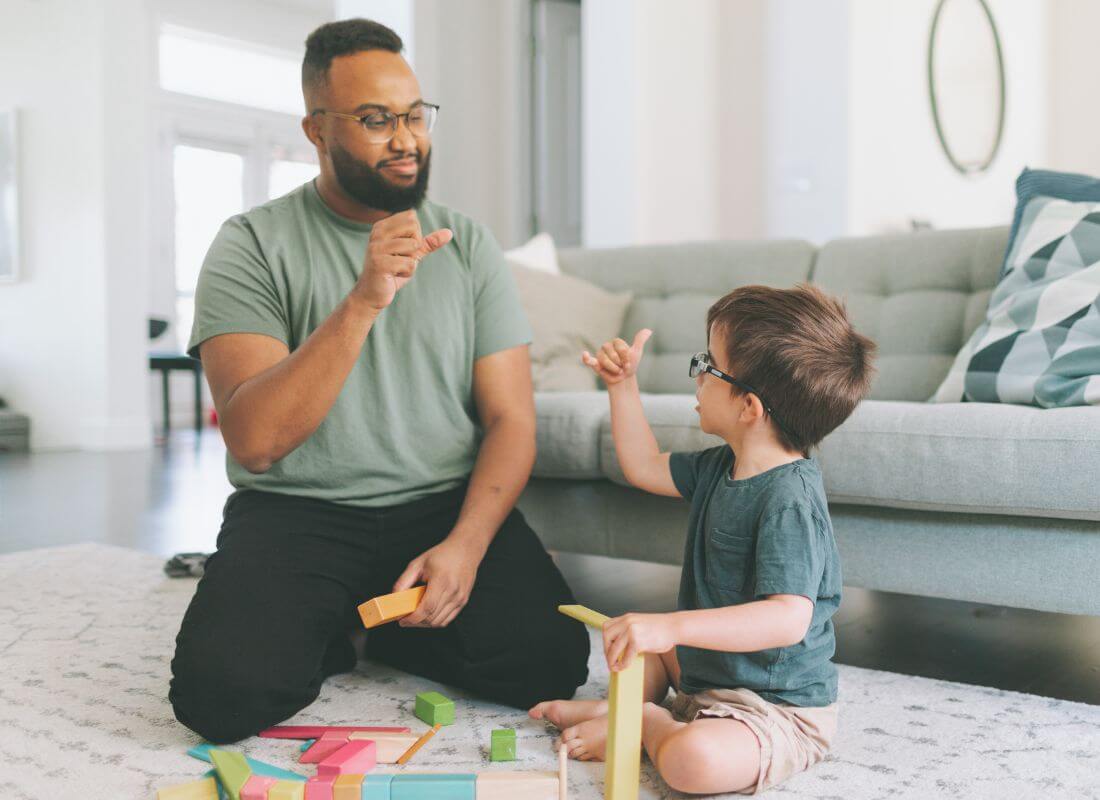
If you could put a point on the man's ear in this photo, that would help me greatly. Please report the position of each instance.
(312, 129)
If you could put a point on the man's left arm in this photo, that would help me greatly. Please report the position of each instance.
(506, 405)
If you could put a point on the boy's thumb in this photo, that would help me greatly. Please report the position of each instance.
(641, 337)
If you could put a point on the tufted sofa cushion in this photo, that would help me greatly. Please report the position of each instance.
(673, 287)
(918, 295)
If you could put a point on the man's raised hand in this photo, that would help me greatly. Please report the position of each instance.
(394, 251)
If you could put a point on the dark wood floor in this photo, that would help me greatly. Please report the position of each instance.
(169, 500)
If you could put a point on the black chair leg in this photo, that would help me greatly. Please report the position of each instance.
(198, 400)
(164, 399)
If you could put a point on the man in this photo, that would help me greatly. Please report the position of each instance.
(368, 360)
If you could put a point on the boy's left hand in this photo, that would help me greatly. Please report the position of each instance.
(633, 634)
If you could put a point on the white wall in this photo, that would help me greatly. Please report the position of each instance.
(72, 330)
(898, 171)
(1073, 132)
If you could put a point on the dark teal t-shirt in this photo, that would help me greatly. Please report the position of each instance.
(748, 539)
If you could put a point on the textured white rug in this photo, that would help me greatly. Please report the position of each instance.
(86, 636)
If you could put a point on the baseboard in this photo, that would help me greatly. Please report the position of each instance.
(116, 433)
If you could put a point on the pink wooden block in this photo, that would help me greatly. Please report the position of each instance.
(256, 787)
(319, 787)
(353, 758)
(324, 747)
(317, 731)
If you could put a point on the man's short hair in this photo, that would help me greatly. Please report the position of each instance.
(342, 38)
(797, 348)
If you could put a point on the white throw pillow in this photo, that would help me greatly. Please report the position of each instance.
(538, 253)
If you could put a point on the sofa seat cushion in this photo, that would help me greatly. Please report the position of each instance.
(967, 457)
(568, 434)
(964, 457)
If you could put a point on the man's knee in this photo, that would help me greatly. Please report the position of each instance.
(555, 664)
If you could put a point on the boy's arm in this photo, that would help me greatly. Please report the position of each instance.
(642, 461)
(780, 620)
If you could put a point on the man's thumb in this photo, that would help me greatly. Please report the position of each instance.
(409, 577)
(435, 240)
(640, 338)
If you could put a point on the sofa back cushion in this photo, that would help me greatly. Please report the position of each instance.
(675, 284)
(918, 295)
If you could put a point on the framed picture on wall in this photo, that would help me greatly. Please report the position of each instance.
(9, 198)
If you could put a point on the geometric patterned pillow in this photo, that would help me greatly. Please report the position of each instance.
(1040, 341)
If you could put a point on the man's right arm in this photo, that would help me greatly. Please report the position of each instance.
(270, 400)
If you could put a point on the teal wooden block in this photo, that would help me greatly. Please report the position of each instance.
(430, 786)
(502, 745)
(202, 753)
(435, 709)
(377, 787)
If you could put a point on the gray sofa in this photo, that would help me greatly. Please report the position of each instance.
(970, 501)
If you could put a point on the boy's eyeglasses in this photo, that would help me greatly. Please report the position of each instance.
(700, 363)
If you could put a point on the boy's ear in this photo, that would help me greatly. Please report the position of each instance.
(752, 410)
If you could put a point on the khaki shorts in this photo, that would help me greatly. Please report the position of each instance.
(792, 738)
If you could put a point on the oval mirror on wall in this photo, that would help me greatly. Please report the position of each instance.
(966, 83)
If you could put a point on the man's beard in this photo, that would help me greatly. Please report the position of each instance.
(366, 185)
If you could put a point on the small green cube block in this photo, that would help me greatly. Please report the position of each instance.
(502, 745)
(435, 709)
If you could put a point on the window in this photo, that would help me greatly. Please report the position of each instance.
(204, 65)
(230, 140)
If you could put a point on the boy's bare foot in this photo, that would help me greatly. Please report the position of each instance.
(566, 713)
(587, 741)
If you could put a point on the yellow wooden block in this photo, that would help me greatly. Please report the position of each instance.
(509, 785)
(388, 746)
(206, 789)
(348, 787)
(287, 790)
(624, 733)
(390, 607)
(585, 615)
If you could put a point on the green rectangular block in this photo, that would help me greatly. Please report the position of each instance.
(377, 787)
(502, 745)
(435, 709)
(433, 787)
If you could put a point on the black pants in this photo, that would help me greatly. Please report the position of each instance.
(270, 618)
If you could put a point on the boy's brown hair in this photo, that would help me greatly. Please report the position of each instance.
(798, 350)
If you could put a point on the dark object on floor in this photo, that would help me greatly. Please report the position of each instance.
(15, 431)
(186, 565)
(166, 363)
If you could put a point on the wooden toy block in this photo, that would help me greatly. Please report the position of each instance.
(563, 778)
(502, 745)
(317, 731)
(328, 744)
(202, 752)
(256, 788)
(287, 790)
(354, 757)
(586, 615)
(433, 786)
(348, 787)
(428, 734)
(388, 746)
(501, 785)
(376, 787)
(206, 789)
(390, 607)
(233, 771)
(434, 708)
(320, 787)
(624, 733)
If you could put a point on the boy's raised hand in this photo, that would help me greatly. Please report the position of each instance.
(616, 360)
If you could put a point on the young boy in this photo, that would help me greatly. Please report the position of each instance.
(749, 652)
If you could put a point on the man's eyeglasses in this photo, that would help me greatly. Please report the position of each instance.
(381, 126)
(700, 363)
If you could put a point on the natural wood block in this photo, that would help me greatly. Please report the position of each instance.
(206, 789)
(501, 785)
(388, 747)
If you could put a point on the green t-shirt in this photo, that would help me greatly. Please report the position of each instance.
(405, 424)
(748, 539)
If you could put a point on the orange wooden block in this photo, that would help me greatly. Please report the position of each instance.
(348, 787)
(390, 607)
